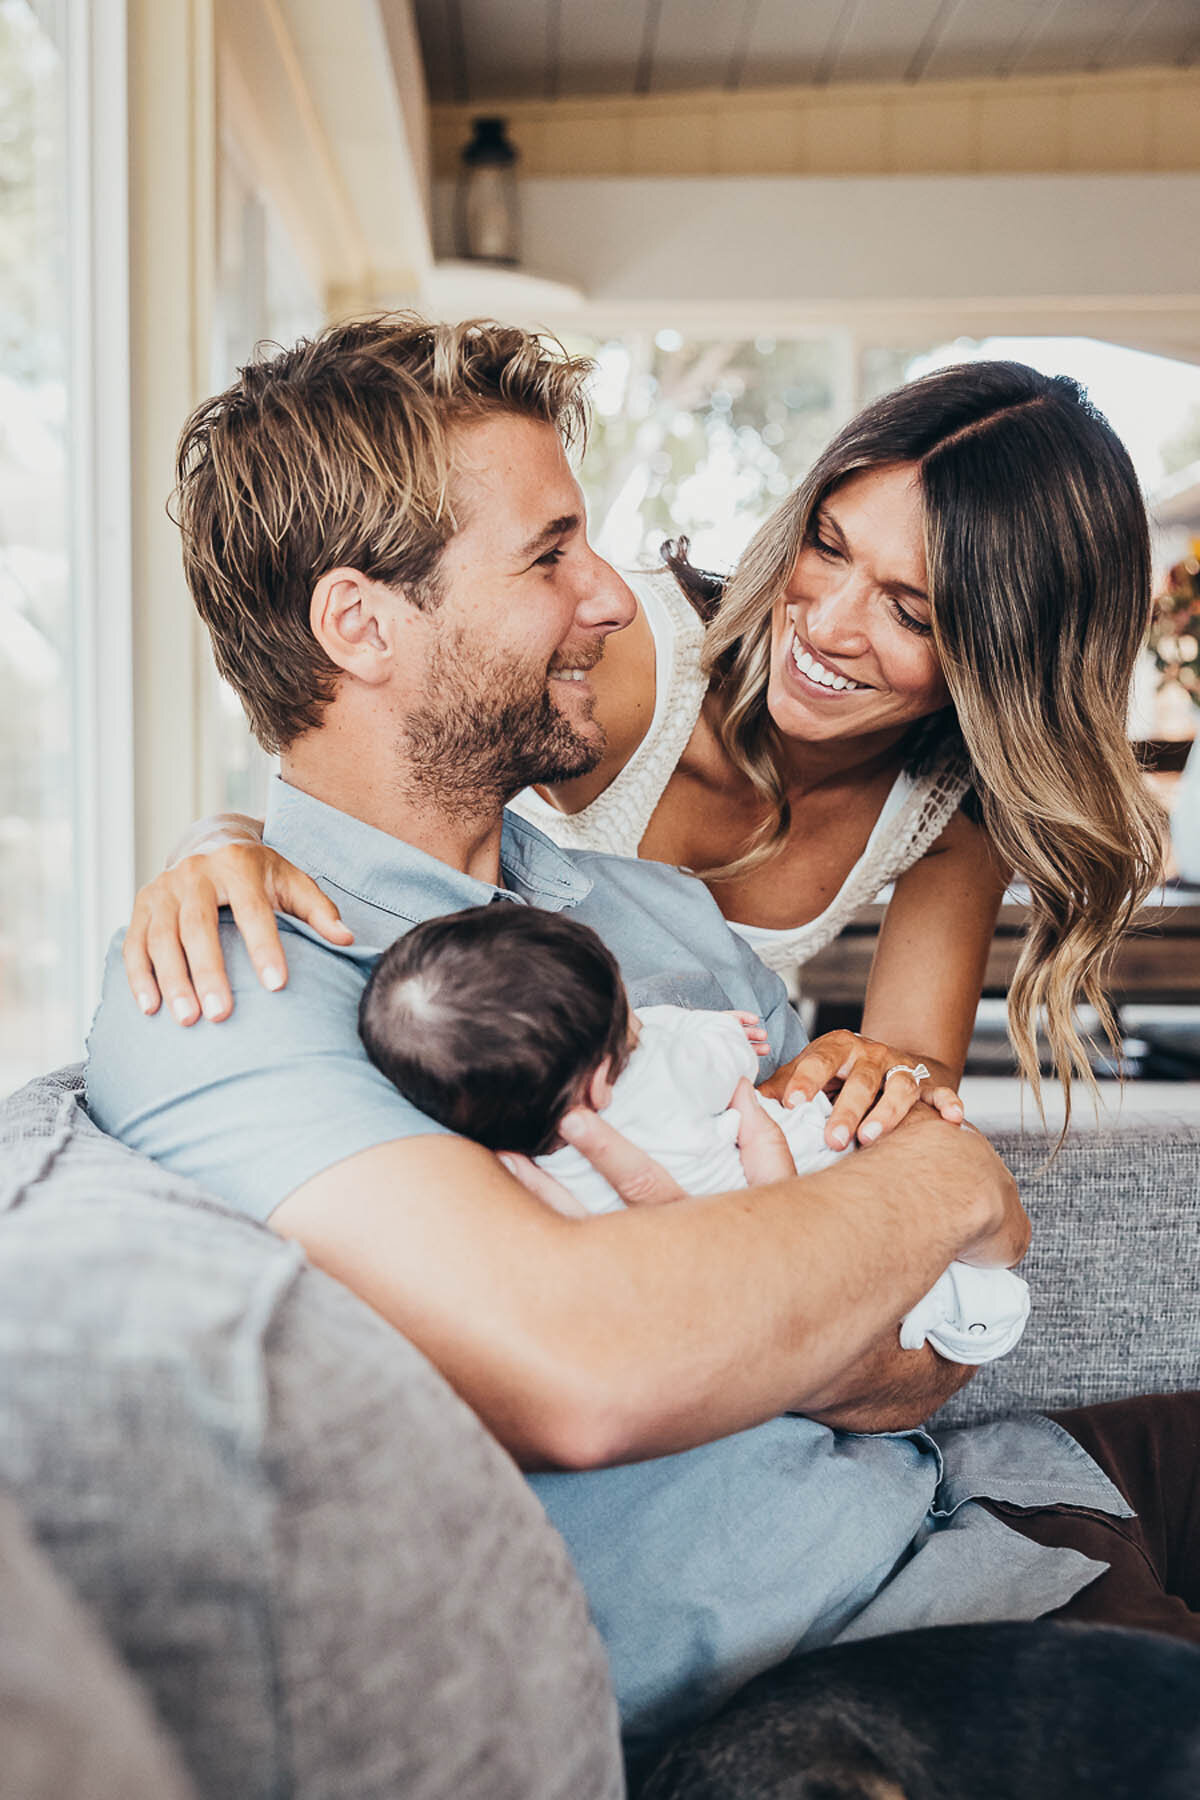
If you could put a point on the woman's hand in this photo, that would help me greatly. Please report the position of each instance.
(173, 948)
(856, 1069)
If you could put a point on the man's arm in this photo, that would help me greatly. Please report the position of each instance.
(634, 1334)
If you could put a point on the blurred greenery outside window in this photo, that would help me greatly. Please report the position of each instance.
(39, 979)
(703, 437)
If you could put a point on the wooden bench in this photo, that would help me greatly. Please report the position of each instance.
(1157, 964)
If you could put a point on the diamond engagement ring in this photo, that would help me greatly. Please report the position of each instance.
(918, 1071)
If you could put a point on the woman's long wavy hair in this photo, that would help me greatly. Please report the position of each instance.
(1038, 565)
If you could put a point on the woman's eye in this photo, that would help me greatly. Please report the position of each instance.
(823, 548)
(909, 622)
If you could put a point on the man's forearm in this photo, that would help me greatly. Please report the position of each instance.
(634, 1334)
(896, 1389)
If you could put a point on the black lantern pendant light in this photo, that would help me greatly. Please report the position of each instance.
(487, 196)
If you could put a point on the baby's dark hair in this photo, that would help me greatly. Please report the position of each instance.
(491, 1020)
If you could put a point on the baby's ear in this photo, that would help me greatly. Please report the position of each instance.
(600, 1087)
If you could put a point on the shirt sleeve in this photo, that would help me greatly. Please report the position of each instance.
(786, 1034)
(254, 1107)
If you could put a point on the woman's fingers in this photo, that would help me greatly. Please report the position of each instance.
(868, 1102)
(819, 1064)
(637, 1178)
(761, 1144)
(900, 1094)
(165, 950)
(255, 919)
(173, 944)
(857, 1099)
(139, 971)
(292, 891)
(200, 939)
(899, 1097)
(945, 1101)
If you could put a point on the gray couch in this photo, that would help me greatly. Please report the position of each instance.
(309, 1563)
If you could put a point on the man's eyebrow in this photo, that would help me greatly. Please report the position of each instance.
(548, 535)
(828, 523)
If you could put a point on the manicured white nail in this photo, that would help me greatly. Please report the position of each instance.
(869, 1133)
(212, 1005)
(146, 1002)
(184, 1011)
(272, 978)
(841, 1135)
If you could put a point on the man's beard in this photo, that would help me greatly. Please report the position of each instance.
(489, 730)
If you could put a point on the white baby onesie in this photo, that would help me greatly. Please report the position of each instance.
(673, 1101)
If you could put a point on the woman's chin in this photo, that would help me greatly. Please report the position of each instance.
(798, 715)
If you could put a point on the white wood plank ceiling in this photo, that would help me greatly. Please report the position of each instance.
(479, 51)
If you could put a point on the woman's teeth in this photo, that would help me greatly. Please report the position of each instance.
(808, 665)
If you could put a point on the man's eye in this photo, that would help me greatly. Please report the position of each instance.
(549, 560)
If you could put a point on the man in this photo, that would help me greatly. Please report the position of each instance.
(383, 534)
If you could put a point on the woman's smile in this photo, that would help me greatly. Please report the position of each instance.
(816, 673)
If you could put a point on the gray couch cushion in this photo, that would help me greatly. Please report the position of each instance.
(1114, 1269)
(329, 1579)
(73, 1725)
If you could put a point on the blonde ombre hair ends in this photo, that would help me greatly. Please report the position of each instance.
(1038, 567)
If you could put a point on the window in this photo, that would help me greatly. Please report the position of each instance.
(66, 783)
(263, 295)
(704, 436)
(39, 940)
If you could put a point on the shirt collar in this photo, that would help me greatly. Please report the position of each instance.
(398, 878)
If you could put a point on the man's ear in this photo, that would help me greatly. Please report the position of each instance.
(356, 622)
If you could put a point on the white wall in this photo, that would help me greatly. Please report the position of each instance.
(987, 252)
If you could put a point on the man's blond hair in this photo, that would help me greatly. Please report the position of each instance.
(337, 454)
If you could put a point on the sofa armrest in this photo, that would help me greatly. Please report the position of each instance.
(1114, 1269)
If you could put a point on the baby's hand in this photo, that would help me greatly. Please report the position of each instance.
(755, 1031)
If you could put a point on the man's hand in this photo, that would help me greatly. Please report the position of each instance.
(634, 1174)
(1005, 1242)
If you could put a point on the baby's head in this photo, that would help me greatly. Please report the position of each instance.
(497, 1020)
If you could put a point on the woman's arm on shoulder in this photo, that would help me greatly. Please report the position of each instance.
(929, 965)
(172, 946)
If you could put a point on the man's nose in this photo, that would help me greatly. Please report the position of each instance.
(606, 601)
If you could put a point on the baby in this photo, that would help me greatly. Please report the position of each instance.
(498, 1020)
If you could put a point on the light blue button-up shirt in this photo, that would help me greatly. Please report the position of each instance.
(702, 1568)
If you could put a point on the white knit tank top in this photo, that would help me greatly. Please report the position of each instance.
(913, 816)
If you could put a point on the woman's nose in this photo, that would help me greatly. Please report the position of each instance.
(836, 618)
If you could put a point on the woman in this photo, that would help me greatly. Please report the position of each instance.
(918, 674)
